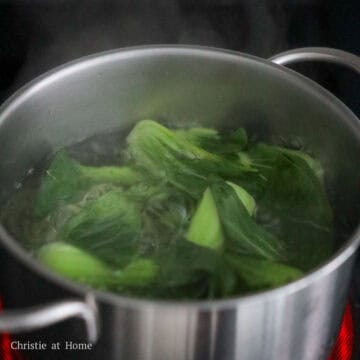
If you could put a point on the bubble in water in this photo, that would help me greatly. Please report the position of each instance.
(96, 147)
(296, 143)
(30, 172)
(18, 185)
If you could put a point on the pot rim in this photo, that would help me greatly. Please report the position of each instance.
(55, 74)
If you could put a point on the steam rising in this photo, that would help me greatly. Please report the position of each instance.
(60, 31)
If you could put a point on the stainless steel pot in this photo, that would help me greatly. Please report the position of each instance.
(298, 321)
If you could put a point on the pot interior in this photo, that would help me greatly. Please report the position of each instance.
(182, 86)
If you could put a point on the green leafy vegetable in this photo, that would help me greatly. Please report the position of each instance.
(245, 235)
(202, 137)
(205, 227)
(75, 264)
(211, 140)
(108, 227)
(257, 273)
(140, 272)
(263, 158)
(66, 181)
(247, 200)
(196, 213)
(163, 155)
(313, 164)
(185, 263)
(63, 182)
(122, 175)
(298, 210)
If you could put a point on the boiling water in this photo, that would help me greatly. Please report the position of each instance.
(17, 215)
(305, 249)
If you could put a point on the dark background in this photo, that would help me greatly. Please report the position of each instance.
(37, 35)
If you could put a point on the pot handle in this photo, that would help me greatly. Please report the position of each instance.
(318, 54)
(37, 317)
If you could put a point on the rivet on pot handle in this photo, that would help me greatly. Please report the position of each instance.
(318, 54)
(32, 318)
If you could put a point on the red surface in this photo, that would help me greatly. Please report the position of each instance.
(343, 347)
(6, 353)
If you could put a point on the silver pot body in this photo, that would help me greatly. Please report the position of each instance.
(188, 86)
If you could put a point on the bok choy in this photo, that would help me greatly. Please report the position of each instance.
(183, 213)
